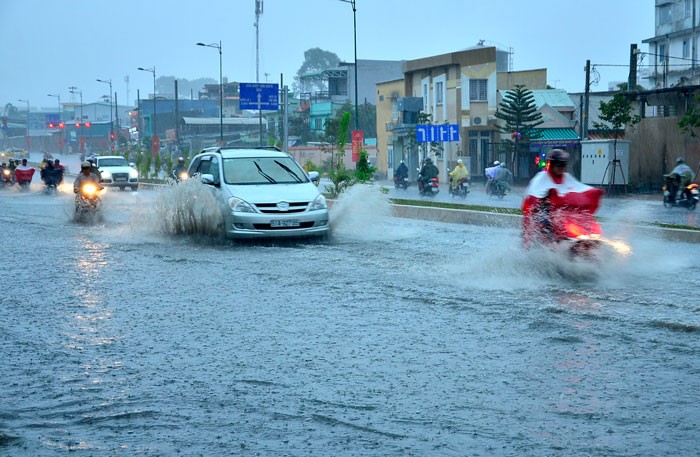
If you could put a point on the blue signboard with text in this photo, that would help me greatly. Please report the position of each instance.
(427, 133)
(262, 96)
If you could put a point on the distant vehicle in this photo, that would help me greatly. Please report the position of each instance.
(116, 172)
(264, 192)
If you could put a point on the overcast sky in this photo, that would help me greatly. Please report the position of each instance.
(47, 46)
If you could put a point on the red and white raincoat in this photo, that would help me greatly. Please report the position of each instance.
(551, 202)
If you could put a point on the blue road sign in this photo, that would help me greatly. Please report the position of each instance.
(263, 96)
(427, 133)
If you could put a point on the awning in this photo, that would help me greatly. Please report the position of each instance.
(548, 135)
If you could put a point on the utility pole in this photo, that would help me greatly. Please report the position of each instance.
(587, 92)
(632, 79)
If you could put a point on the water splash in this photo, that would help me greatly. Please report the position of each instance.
(188, 208)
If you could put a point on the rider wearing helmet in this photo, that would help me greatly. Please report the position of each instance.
(427, 173)
(86, 175)
(459, 173)
(554, 187)
(179, 169)
(679, 178)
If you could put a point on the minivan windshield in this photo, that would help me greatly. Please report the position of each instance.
(263, 170)
(112, 162)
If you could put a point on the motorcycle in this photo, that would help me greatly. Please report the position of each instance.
(461, 189)
(496, 189)
(87, 202)
(7, 178)
(401, 183)
(688, 198)
(430, 188)
(564, 222)
(24, 178)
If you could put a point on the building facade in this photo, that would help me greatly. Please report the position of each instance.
(673, 50)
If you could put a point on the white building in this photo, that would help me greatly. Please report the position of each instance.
(673, 51)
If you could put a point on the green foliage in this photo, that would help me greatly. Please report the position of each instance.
(365, 170)
(310, 166)
(616, 113)
(340, 177)
(690, 120)
(315, 60)
(519, 113)
(157, 163)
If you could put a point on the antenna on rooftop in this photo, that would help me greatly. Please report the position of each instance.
(258, 13)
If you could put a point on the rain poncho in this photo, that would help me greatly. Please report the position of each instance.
(460, 172)
(550, 201)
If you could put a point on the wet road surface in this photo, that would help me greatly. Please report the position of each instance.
(395, 337)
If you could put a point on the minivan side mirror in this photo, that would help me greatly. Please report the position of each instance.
(208, 179)
(315, 177)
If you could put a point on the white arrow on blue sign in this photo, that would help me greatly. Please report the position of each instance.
(427, 133)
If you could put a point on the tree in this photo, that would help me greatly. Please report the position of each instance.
(365, 170)
(338, 174)
(315, 60)
(521, 117)
(691, 118)
(616, 113)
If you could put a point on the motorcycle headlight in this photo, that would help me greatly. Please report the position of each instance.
(319, 203)
(239, 205)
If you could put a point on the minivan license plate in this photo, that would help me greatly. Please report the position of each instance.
(284, 223)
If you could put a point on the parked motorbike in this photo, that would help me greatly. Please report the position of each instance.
(461, 189)
(87, 202)
(401, 183)
(430, 188)
(688, 198)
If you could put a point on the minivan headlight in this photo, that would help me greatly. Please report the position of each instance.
(319, 203)
(238, 205)
(133, 174)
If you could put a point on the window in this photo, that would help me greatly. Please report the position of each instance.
(439, 88)
(688, 8)
(662, 53)
(686, 49)
(477, 90)
(664, 14)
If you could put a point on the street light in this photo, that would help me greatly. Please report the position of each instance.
(27, 102)
(59, 117)
(221, 91)
(153, 124)
(74, 90)
(111, 122)
(354, 30)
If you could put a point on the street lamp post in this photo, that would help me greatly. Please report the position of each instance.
(354, 30)
(81, 140)
(28, 142)
(154, 136)
(221, 91)
(59, 118)
(111, 122)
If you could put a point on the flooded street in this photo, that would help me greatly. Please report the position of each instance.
(395, 337)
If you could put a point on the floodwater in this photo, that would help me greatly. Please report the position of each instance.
(395, 337)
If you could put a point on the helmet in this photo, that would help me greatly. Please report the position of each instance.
(459, 161)
(181, 160)
(85, 164)
(428, 160)
(558, 155)
(496, 162)
(503, 164)
(680, 160)
(402, 161)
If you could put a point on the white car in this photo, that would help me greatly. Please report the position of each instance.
(116, 172)
(264, 192)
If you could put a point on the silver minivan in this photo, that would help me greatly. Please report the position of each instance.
(264, 192)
